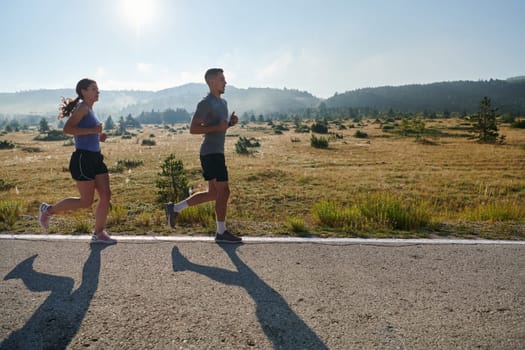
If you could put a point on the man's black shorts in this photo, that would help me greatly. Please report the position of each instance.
(85, 165)
(214, 167)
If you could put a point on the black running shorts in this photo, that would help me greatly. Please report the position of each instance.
(214, 167)
(85, 165)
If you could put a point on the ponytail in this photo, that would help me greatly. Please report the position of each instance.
(68, 105)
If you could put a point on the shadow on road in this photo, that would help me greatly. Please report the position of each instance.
(280, 323)
(54, 324)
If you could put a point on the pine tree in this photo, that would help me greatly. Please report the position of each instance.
(43, 126)
(485, 122)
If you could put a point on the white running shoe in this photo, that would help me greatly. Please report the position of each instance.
(44, 216)
(103, 238)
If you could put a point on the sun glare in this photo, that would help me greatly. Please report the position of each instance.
(138, 14)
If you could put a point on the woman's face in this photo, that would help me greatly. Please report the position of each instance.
(91, 93)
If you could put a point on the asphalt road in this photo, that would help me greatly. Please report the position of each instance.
(198, 295)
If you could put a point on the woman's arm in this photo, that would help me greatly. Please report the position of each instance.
(71, 126)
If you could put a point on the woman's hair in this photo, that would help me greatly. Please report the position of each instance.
(68, 104)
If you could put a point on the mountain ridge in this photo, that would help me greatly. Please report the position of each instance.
(458, 96)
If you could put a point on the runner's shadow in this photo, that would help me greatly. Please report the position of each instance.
(283, 327)
(54, 324)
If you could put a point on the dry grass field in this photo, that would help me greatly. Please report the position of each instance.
(468, 189)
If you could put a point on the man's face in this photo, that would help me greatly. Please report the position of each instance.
(218, 83)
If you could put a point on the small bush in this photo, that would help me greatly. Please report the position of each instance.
(148, 142)
(519, 124)
(318, 142)
(302, 128)
(360, 134)
(10, 211)
(6, 144)
(31, 149)
(123, 164)
(53, 135)
(320, 127)
(245, 145)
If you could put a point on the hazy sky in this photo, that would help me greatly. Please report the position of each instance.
(323, 46)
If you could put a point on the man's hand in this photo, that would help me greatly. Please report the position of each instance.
(103, 136)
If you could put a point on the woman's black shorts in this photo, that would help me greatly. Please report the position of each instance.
(85, 165)
(214, 167)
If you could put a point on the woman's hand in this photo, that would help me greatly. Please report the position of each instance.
(233, 119)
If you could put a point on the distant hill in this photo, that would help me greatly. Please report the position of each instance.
(459, 96)
(116, 103)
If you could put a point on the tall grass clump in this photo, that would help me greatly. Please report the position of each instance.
(297, 225)
(117, 215)
(331, 214)
(373, 211)
(82, 223)
(495, 212)
(203, 215)
(394, 212)
(10, 211)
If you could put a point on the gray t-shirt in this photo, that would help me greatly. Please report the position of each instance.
(212, 110)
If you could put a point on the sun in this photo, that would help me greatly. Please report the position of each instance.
(138, 14)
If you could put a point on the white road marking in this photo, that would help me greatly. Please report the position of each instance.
(249, 239)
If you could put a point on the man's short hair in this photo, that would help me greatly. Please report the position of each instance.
(212, 73)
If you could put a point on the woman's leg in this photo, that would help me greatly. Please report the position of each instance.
(102, 209)
(86, 190)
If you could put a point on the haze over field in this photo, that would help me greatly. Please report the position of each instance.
(322, 47)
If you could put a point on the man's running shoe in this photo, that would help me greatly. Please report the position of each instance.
(102, 238)
(171, 215)
(44, 216)
(227, 237)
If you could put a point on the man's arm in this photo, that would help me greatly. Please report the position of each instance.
(198, 126)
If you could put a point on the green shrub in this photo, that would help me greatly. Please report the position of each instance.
(123, 164)
(53, 135)
(519, 124)
(4, 144)
(148, 142)
(318, 142)
(10, 211)
(320, 127)
(245, 145)
(360, 134)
